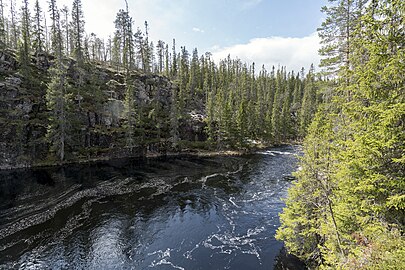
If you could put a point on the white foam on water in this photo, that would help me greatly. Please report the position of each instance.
(163, 259)
(274, 153)
(233, 203)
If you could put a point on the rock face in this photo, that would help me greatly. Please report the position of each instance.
(97, 114)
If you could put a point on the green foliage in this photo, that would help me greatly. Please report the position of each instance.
(24, 50)
(77, 26)
(228, 103)
(58, 101)
(242, 106)
(347, 209)
(201, 145)
(38, 30)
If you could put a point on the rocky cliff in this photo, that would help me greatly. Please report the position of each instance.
(97, 114)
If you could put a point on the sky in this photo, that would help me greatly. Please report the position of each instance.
(267, 32)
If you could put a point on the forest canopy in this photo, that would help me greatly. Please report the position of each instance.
(346, 210)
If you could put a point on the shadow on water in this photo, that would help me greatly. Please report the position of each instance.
(166, 213)
(285, 261)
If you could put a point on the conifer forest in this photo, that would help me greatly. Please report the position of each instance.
(68, 97)
(93, 97)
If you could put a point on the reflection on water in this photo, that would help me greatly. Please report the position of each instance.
(175, 213)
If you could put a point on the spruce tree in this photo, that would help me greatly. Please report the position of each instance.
(77, 26)
(174, 67)
(14, 32)
(65, 29)
(277, 106)
(161, 55)
(308, 101)
(337, 32)
(146, 50)
(125, 42)
(24, 50)
(194, 75)
(57, 91)
(3, 33)
(38, 30)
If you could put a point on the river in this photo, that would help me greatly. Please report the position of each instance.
(163, 213)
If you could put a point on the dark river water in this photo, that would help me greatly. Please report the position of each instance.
(171, 213)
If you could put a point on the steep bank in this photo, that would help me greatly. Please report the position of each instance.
(97, 114)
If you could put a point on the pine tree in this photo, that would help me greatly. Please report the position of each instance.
(242, 121)
(286, 123)
(167, 61)
(308, 101)
(277, 106)
(38, 30)
(296, 105)
(125, 39)
(14, 33)
(66, 31)
(194, 75)
(161, 55)
(47, 39)
(337, 32)
(139, 45)
(152, 59)
(3, 33)
(146, 60)
(184, 94)
(125, 44)
(116, 52)
(24, 51)
(57, 91)
(173, 73)
(77, 26)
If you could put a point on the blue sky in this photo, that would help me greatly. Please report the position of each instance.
(270, 32)
(226, 22)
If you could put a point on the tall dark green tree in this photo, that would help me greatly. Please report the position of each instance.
(77, 26)
(38, 30)
(309, 101)
(65, 26)
(174, 68)
(277, 106)
(161, 55)
(184, 94)
(24, 50)
(3, 33)
(13, 28)
(194, 76)
(124, 36)
(147, 55)
(57, 95)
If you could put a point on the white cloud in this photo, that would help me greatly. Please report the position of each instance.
(198, 30)
(294, 53)
(99, 15)
(246, 4)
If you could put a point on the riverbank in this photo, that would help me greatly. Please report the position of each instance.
(146, 154)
